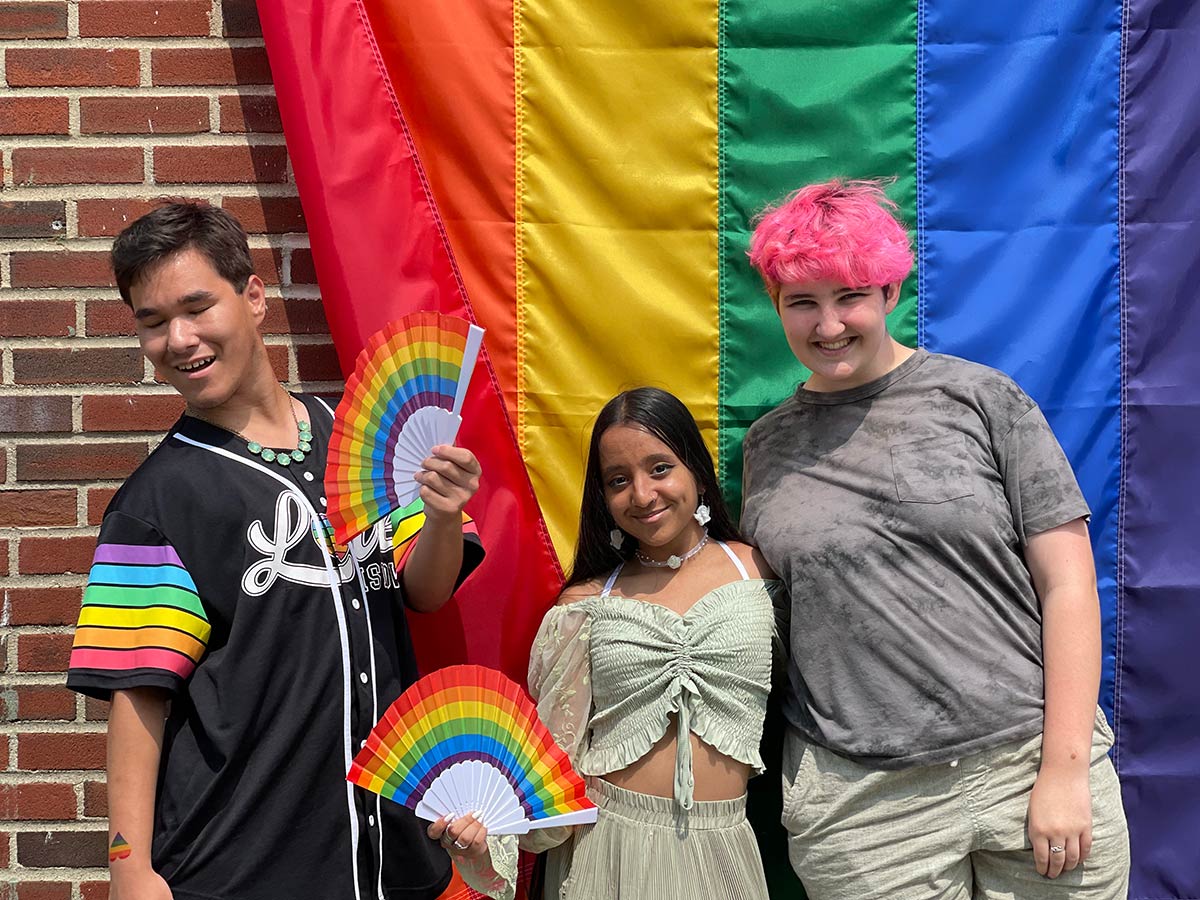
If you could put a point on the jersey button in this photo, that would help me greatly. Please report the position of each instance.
(362, 676)
(308, 476)
(371, 821)
(324, 502)
(354, 602)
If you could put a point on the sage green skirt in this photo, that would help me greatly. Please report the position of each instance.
(647, 848)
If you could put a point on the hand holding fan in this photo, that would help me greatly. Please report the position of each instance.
(403, 399)
(467, 739)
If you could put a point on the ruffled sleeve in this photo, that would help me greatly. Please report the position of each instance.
(560, 674)
(560, 682)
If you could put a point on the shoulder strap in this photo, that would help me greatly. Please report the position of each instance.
(737, 562)
(612, 579)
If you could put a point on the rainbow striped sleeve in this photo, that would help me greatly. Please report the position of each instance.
(405, 524)
(141, 624)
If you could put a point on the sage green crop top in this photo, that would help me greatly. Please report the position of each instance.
(608, 671)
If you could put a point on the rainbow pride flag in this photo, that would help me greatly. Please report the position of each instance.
(580, 179)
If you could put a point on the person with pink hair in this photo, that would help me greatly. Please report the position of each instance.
(943, 737)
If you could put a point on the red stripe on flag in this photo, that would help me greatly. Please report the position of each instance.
(381, 251)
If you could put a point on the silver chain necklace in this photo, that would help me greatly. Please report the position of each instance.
(281, 457)
(672, 561)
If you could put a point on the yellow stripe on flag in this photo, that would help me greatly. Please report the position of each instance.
(617, 224)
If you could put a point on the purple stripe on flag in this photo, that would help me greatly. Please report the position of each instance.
(137, 555)
(1158, 693)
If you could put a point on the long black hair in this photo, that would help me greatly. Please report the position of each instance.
(663, 415)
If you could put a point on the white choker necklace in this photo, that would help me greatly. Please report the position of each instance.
(672, 561)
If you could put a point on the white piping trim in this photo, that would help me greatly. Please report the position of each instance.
(362, 587)
(343, 635)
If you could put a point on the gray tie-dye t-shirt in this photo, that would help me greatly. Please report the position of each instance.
(896, 513)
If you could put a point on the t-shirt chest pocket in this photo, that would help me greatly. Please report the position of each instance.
(934, 470)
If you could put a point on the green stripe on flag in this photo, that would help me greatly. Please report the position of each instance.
(809, 90)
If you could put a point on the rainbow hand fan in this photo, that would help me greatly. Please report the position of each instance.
(403, 398)
(467, 739)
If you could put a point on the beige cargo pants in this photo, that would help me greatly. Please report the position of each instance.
(948, 832)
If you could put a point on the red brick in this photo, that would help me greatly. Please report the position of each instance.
(40, 802)
(63, 849)
(60, 752)
(24, 413)
(295, 316)
(61, 268)
(36, 318)
(278, 355)
(240, 19)
(268, 264)
(43, 652)
(267, 215)
(93, 890)
(225, 165)
(237, 65)
(32, 218)
(83, 165)
(143, 115)
(108, 365)
(97, 502)
(33, 20)
(95, 710)
(43, 606)
(107, 318)
(39, 702)
(138, 18)
(131, 412)
(37, 509)
(4, 558)
(34, 115)
(73, 67)
(317, 362)
(42, 890)
(250, 113)
(107, 218)
(78, 462)
(95, 798)
(55, 556)
(304, 271)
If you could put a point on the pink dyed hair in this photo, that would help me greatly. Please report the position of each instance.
(845, 231)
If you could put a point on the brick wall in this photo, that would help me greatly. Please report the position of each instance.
(106, 105)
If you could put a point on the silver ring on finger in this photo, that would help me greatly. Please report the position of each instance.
(1055, 848)
(461, 846)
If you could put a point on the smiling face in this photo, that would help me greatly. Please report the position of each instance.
(650, 493)
(840, 332)
(199, 333)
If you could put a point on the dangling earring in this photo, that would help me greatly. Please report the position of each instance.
(616, 537)
(702, 513)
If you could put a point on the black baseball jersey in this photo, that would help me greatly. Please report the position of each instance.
(216, 579)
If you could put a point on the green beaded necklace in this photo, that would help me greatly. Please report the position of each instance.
(280, 457)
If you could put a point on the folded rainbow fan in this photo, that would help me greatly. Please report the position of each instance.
(467, 739)
(404, 397)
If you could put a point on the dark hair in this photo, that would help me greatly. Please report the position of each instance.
(663, 415)
(176, 227)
